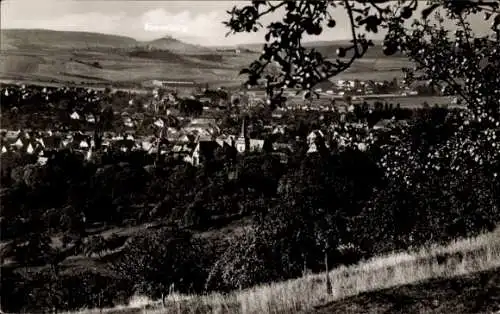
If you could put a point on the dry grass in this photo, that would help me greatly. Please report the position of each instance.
(458, 258)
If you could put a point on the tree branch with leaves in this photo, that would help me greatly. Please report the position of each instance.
(303, 68)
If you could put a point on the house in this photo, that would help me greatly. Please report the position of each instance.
(90, 118)
(283, 157)
(11, 135)
(313, 148)
(203, 126)
(183, 150)
(384, 124)
(128, 122)
(32, 147)
(81, 142)
(117, 138)
(185, 138)
(22, 142)
(204, 151)
(84, 144)
(311, 138)
(147, 145)
(51, 142)
(226, 140)
(159, 123)
(75, 116)
(279, 129)
(40, 141)
(256, 145)
(125, 145)
(172, 134)
(205, 100)
(19, 143)
(282, 147)
(277, 114)
(66, 142)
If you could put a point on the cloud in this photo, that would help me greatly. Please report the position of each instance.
(185, 23)
(197, 22)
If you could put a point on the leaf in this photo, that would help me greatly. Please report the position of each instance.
(427, 11)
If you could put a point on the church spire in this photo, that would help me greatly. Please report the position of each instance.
(243, 132)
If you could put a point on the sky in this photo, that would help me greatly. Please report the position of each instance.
(197, 22)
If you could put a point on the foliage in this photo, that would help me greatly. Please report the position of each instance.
(364, 191)
(304, 68)
(160, 259)
(242, 265)
(342, 204)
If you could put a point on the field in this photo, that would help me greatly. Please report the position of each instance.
(70, 56)
(460, 277)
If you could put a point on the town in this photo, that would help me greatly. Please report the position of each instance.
(161, 122)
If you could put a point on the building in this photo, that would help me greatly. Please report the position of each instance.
(170, 84)
(242, 142)
(203, 152)
(245, 144)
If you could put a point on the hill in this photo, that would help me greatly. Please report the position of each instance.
(462, 277)
(82, 57)
(329, 48)
(61, 56)
(471, 293)
(47, 39)
(174, 45)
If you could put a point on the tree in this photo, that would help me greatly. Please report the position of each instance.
(154, 261)
(463, 64)
(301, 67)
(245, 262)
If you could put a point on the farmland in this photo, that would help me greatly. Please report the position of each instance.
(66, 57)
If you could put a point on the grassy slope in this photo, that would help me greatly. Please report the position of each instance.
(471, 293)
(68, 56)
(459, 265)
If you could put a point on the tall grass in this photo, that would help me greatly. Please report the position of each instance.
(457, 258)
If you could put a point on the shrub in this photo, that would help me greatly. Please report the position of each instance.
(156, 260)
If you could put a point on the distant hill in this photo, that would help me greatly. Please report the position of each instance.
(11, 39)
(31, 38)
(63, 56)
(175, 45)
(329, 48)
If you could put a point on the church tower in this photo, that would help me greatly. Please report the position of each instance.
(242, 141)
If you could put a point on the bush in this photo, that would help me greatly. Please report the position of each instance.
(44, 290)
(160, 259)
(246, 262)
